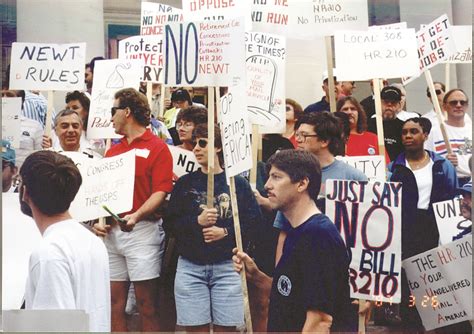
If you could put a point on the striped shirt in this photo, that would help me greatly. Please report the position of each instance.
(35, 107)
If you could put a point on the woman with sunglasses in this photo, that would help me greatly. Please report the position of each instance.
(207, 289)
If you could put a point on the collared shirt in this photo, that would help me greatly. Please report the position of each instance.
(35, 107)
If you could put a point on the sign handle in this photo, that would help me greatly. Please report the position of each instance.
(332, 94)
(238, 242)
(108, 143)
(162, 101)
(210, 148)
(361, 317)
(255, 146)
(378, 117)
(434, 100)
(149, 93)
(49, 114)
(447, 75)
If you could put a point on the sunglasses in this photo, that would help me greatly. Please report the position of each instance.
(454, 103)
(202, 143)
(438, 92)
(113, 110)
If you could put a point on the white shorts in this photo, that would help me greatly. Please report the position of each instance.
(137, 255)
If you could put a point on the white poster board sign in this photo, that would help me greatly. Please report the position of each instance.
(368, 216)
(20, 236)
(217, 10)
(463, 41)
(265, 63)
(373, 166)
(207, 53)
(184, 161)
(451, 224)
(440, 281)
(271, 17)
(147, 49)
(309, 19)
(154, 16)
(376, 53)
(107, 181)
(109, 77)
(42, 66)
(235, 133)
(398, 25)
(11, 111)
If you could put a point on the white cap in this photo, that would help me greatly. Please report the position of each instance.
(326, 75)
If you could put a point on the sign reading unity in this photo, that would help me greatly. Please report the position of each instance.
(11, 110)
(440, 281)
(184, 161)
(451, 224)
(217, 10)
(376, 53)
(463, 41)
(154, 16)
(373, 166)
(265, 64)
(107, 181)
(41, 66)
(368, 216)
(271, 17)
(235, 128)
(149, 50)
(206, 53)
(109, 77)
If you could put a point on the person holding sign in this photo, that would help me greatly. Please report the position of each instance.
(323, 105)
(440, 90)
(207, 289)
(310, 290)
(136, 246)
(70, 269)
(455, 102)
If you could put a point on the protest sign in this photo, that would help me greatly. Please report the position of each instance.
(41, 66)
(20, 236)
(368, 216)
(376, 53)
(440, 281)
(154, 16)
(107, 181)
(204, 53)
(235, 128)
(309, 19)
(149, 50)
(451, 224)
(373, 166)
(184, 161)
(270, 16)
(217, 10)
(109, 77)
(11, 110)
(265, 62)
(463, 42)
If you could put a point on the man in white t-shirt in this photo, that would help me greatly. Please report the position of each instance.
(70, 268)
(459, 132)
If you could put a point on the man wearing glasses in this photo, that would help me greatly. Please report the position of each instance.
(136, 245)
(459, 132)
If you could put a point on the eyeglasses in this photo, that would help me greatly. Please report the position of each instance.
(202, 143)
(113, 110)
(438, 92)
(302, 136)
(454, 103)
(184, 125)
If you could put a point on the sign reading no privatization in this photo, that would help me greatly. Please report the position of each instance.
(440, 281)
(368, 217)
(41, 66)
(463, 41)
(451, 223)
(205, 53)
(154, 16)
(11, 129)
(376, 53)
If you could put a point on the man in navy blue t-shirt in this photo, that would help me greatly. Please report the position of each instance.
(310, 289)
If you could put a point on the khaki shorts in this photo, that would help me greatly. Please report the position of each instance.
(137, 255)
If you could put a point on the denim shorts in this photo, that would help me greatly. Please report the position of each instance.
(209, 293)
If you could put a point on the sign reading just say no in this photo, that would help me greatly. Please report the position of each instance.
(38, 66)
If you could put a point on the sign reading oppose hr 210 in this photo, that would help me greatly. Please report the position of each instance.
(38, 66)
(440, 281)
(204, 53)
(154, 16)
(265, 62)
(368, 217)
(451, 224)
(11, 129)
(107, 181)
(376, 53)
(235, 130)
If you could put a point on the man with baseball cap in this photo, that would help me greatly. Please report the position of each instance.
(8, 166)
(392, 126)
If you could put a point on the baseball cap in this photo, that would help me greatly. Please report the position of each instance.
(8, 153)
(180, 95)
(326, 74)
(391, 93)
(466, 188)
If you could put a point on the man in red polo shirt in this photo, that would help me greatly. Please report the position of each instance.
(136, 246)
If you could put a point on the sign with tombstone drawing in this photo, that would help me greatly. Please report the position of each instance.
(451, 223)
(11, 110)
(265, 63)
(109, 77)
